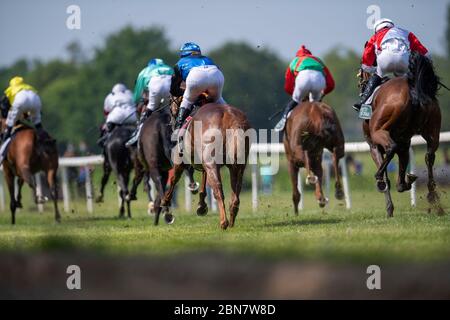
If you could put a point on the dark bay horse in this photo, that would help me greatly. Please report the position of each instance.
(312, 127)
(403, 107)
(232, 125)
(154, 153)
(118, 159)
(26, 156)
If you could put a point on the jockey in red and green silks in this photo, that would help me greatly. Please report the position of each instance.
(306, 77)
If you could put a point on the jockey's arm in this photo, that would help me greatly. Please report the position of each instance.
(416, 46)
(330, 84)
(369, 57)
(289, 81)
(175, 86)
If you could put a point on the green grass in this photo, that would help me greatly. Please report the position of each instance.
(363, 234)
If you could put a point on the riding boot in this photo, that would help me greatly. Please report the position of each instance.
(290, 106)
(182, 116)
(135, 136)
(6, 134)
(373, 82)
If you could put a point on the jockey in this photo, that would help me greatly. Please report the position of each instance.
(387, 51)
(119, 109)
(200, 74)
(21, 98)
(306, 76)
(156, 78)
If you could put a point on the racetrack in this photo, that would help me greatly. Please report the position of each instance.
(324, 241)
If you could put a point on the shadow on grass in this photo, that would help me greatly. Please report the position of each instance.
(305, 222)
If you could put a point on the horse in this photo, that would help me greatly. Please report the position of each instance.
(224, 119)
(119, 159)
(26, 155)
(312, 127)
(154, 148)
(402, 107)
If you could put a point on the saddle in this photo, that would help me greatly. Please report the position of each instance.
(44, 140)
(365, 113)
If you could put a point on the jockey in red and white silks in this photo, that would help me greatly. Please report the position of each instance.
(387, 51)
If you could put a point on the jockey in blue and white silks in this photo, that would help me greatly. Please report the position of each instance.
(200, 74)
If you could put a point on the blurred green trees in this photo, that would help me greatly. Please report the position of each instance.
(73, 91)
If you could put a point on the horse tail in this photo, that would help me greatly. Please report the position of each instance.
(422, 80)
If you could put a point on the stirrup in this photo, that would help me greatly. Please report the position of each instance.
(280, 125)
(132, 142)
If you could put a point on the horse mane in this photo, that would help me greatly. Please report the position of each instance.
(422, 80)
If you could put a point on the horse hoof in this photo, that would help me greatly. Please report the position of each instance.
(339, 194)
(224, 225)
(323, 202)
(19, 205)
(411, 178)
(133, 197)
(311, 180)
(193, 187)
(151, 208)
(403, 187)
(432, 197)
(382, 186)
(202, 211)
(169, 218)
(99, 199)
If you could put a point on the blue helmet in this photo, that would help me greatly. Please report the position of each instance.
(155, 62)
(190, 48)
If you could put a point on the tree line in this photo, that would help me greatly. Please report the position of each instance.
(73, 90)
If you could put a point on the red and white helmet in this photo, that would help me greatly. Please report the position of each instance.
(383, 23)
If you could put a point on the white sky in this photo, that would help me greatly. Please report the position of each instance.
(37, 29)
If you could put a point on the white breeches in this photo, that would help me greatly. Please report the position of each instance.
(203, 79)
(26, 101)
(122, 116)
(158, 91)
(394, 58)
(309, 83)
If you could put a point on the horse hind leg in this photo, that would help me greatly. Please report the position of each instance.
(215, 181)
(383, 183)
(432, 196)
(123, 179)
(202, 209)
(105, 178)
(388, 198)
(316, 165)
(338, 153)
(236, 175)
(382, 138)
(404, 180)
(20, 183)
(52, 183)
(167, 198)
(293, 172)
(9, 178)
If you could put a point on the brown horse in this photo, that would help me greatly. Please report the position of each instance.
(25, 157)
(312, 127)
(232, 125)
(403, 107)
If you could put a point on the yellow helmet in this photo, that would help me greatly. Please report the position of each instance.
(16, 81)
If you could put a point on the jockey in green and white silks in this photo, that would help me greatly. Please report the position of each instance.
(156, 78)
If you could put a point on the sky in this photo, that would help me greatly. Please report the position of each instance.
(37, 29)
